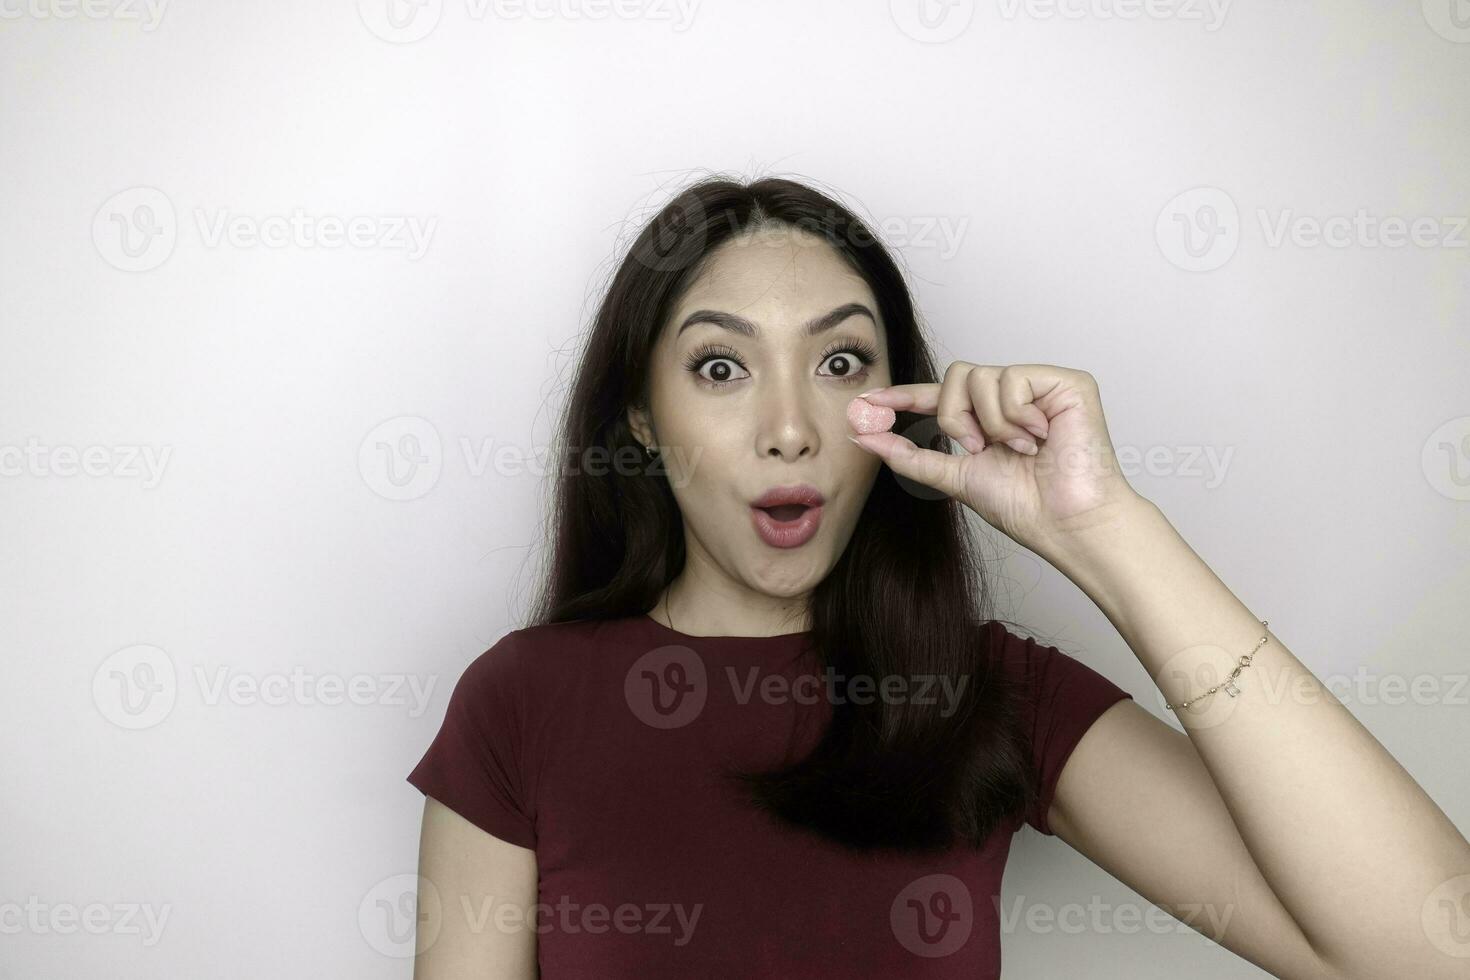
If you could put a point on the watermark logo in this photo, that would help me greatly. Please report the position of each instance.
(674, 239)
(1450, 19)
(135, 230)
(933, 916)
(1193, 671)
(395, 910)
(932, 21)
(136, 687)
(925, 433)
(1445, 459)
(1199, 230)
(1445, 916)
(400, 21)
(401, 458)
(666, 687)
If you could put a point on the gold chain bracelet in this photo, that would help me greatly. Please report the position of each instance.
(1229, 684)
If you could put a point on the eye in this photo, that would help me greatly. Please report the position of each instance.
(715, 366)
(850, 360)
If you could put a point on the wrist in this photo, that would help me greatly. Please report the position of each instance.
(1086, 544)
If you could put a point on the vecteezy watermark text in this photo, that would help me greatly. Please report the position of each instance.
(1201, 229)
(137, 229)
(1210, 13)
(405, 913)
(1101, 917)
(406, 21)
(95, 918)
(136, 688)
(838, 688)
(147, 13)
(124, 462)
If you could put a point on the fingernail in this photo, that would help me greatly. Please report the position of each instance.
(972, 444)
(865, 394)
(1035, 430)
(1022, 445)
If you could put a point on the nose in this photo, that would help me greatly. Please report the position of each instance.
(788, 429)
(790, 445)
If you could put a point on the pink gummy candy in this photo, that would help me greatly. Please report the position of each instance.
(865, 417)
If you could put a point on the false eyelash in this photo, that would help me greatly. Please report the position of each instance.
(865, 351)
(709, 352)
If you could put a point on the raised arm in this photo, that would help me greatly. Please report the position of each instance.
(1279, 804)
(1330, 848)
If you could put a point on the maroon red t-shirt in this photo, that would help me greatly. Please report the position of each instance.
(595, 743)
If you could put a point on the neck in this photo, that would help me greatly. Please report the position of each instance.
(713, 606)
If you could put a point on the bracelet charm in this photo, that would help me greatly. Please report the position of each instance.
(1229, 685)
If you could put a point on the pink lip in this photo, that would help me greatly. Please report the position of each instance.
(796, 493)
(786, 534)
(795, 532)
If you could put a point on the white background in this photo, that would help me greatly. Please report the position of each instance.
(1027, 167)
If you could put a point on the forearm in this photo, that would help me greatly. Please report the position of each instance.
(1351, 845)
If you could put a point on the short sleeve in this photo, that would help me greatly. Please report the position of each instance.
(476, 763)
(1063, 698)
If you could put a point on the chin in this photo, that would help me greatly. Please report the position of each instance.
(789, 576)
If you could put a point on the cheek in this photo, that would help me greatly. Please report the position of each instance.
(715, 424)
(705, 453)
(707, 490)
(857, 470)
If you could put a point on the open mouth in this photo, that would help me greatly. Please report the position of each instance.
(786, 525)
(785, 513)
(787, 517)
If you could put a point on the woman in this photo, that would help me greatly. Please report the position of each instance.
(762, 723)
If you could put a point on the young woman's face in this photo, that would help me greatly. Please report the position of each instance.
(746, 397)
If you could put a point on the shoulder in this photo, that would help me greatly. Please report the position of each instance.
(1060, 698)
(547, 653)
(1060, 695)
(1042, 669)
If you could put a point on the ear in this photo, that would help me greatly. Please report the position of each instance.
(639, 423)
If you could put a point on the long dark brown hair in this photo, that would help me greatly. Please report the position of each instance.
(906, 598)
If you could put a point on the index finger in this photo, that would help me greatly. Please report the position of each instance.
(921, 398)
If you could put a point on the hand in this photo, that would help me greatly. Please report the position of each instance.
(1041, 465)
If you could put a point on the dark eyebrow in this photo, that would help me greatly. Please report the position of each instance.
(730, 321)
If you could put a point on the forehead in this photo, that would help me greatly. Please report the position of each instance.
(776, 277)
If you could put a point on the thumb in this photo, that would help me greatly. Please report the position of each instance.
(940, 471)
